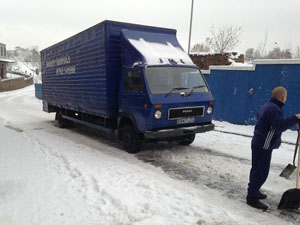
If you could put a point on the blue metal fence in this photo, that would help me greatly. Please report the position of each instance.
(240, 91)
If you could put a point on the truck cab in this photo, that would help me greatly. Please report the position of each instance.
(163, 95)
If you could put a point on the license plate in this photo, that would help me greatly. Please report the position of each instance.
(186, 120)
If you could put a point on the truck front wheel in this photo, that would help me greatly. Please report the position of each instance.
(187, 140)
(130, 140)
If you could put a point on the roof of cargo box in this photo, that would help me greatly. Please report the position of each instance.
(157, 48)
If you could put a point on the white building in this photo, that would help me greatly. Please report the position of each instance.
(3, 61)
(3, 54)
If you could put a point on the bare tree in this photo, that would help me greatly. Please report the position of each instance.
(200, 48)
(249, 53)
(286, 54)
(257, 54)
(297, 53)
(224, 39)
(264, 44)
(260, 52)
(277, 53)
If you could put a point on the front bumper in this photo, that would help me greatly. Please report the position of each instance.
(178, 132)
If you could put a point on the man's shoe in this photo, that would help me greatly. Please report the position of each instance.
(262, 196)
(258, 205)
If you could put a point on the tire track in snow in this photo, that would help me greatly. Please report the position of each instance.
(84, 185)
(98, 200)
(202, 167)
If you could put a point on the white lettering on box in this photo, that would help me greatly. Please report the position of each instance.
(61, 62)
(66, 70)
(58, 62)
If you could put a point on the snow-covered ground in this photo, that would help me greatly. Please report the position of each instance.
(12, 76)
(78, 176)
(23, 67)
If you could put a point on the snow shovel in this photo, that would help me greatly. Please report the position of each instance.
(289, 169)
(291, 198)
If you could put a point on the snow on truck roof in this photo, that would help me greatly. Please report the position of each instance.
(157, 48)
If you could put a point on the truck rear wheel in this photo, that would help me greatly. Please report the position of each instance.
(62, 123)
(60, 120)
(187, 140)
(130, 140)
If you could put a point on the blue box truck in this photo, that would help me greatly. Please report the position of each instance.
(130, 80)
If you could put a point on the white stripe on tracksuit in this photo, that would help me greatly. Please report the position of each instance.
(269, 138)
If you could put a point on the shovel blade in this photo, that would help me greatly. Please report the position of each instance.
(290, 199)
(288, 170)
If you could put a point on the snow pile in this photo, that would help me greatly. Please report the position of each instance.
(203, 53)
(234, 54)
(12, 76)
(237, 64)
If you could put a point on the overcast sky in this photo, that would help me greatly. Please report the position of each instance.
(41, 23)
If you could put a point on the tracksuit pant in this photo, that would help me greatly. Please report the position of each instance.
(261, 159)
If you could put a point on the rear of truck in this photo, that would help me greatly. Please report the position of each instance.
(74, 74)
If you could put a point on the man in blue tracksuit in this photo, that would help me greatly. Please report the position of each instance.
(267, 136)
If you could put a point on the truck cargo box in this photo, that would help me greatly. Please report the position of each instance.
(82, 72)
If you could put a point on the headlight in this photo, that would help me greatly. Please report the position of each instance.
(209, 110)
(157, 114)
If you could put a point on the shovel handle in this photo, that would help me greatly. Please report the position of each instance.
(298, 173)
(297, 145)
(298, 169)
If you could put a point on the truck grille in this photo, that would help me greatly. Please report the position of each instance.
(178, 113)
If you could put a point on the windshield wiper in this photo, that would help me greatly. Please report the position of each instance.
(201, 86)
(176, 89)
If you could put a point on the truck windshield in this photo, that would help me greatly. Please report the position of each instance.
(163, 80)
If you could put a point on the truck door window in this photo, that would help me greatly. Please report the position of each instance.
(134, 81)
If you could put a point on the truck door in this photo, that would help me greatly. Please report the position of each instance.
(133, 96)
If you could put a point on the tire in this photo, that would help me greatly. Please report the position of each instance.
(62, 123)
(60, 120)
(129, 139)
(187, 140)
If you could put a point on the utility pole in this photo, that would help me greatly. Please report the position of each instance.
(190, 34)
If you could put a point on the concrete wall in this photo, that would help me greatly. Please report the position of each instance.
(240, 91)
(14, 84)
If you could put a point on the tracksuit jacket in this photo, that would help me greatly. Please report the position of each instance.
(270, 125)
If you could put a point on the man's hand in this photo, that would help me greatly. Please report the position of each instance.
(298, 116)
